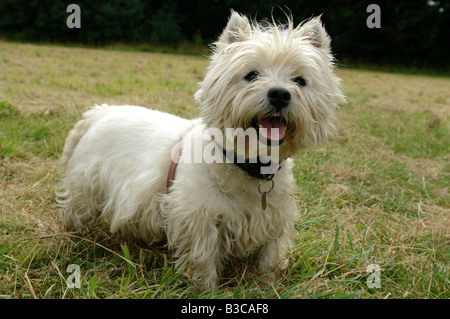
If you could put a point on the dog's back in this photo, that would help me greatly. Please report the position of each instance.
(115, 163)
(89, 118)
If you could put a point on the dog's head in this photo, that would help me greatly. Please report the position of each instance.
(276, 79)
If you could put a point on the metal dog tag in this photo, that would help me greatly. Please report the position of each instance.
(263, 201)
(264, 194)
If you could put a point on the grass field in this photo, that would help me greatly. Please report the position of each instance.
(377, 194)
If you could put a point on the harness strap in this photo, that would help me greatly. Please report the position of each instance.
(173, 167)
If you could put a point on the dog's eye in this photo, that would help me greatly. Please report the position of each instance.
(300, 81)
(251, 76)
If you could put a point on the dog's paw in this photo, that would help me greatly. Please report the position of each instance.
(206, 285)
(269, 278)
(283, 264)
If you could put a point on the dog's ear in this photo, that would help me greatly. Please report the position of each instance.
(315, 32)
(238, 28)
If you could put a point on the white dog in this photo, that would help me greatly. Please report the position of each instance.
(225, 199)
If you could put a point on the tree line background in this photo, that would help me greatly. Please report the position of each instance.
(413, 33)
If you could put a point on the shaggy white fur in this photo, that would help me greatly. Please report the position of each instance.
(117, 158)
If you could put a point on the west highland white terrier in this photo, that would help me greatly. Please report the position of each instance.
(219, 187)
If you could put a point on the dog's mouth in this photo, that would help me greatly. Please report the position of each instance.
(271, 128)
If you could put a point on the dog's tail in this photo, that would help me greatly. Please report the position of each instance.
(75, 135)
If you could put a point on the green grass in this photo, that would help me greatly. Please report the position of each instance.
(40, 134)
(377, 194)
(415, 134)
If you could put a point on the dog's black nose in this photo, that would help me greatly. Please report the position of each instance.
(279, 97)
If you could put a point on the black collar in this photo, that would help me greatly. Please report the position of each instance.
(252, 169)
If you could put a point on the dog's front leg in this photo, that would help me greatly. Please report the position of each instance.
(273, 258)
(196, 245)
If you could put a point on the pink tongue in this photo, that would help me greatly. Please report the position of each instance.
(275, 130)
